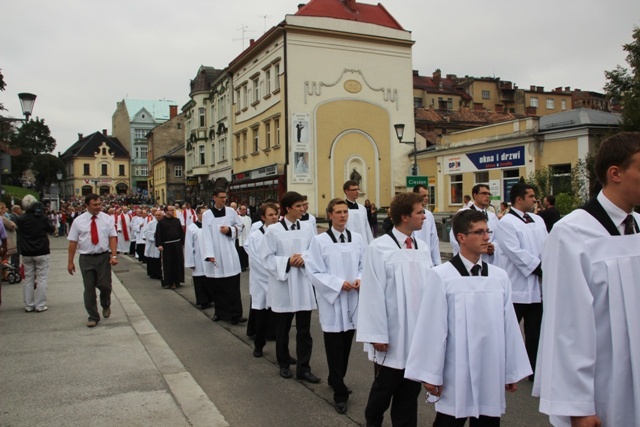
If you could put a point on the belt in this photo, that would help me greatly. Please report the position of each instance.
(101, 253)
(172, 241)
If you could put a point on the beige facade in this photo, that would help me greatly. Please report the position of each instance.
(168, 177)
(161, 140)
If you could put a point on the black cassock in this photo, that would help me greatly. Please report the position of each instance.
(170, 236)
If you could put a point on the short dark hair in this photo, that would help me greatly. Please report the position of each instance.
(90, 197)
(333, 203)
(289, 199)
(461, 222)
(616, 150)
(348, 184)
(200, 208)
(519, 189)
(476, 188)
(551, 199)
(402, 205)
(218, 190)
(265, 206)
(417, 188)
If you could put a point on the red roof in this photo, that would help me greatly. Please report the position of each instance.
(351, 11)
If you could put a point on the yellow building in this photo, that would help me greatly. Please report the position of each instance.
(168, 177)
(97, 163)
(499, 154)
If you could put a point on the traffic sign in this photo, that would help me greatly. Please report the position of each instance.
(412, 181)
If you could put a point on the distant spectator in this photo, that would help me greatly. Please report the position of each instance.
(550, 214)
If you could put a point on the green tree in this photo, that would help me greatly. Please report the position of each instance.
(33, 138)
(45, 167)
(623, 85)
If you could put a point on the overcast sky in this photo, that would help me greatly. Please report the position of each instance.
(82, 56)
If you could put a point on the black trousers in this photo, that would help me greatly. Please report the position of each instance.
(532, 315)
(390, 384)
(444, 420)
(337, 346)
(154, 268)
(244, 257)
(202, 290)
(227, 298)
(304, 342)
(132, 247)
(140, 251)
(261, 320)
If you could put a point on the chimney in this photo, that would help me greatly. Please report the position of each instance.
(79, 136)
(437, 75)
(301, 5)
(499, 108)
(104, 132)
(350, 4)
(251, 42)
(173, 111)
(532, 88)
(567, 88)
(478, 106)
(540, 89)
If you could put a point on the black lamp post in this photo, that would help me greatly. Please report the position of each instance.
(59, 176)
(400, 133)
(26, 101)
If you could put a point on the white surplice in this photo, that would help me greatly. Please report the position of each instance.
(289, 291)
(258, 275)
(220, 246)
(519, 252)
(589, 354)
(429, 234)
(390, 293)
(467, 339)
(136, 229)
(150, 248)
(123, 222)
(193, 257)
(243, 234)
(359, 222)
(329, 265)
(492, 224)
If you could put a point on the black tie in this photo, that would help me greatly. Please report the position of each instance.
(629, 225)
(486, 215)
(342, 238)
(475, 270)
(293, 226)
(527, 218)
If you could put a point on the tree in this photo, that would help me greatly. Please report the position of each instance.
(33, 138)
(45, 167)
(623, 85)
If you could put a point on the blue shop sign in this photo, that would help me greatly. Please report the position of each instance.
(500, 158)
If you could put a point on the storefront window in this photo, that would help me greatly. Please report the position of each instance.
(456, 189)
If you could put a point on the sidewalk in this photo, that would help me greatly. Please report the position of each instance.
(57, 372)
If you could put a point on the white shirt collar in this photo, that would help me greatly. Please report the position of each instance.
(289, 223)
(478, 208)
(616, 214)
(400, 237)
(468, 264)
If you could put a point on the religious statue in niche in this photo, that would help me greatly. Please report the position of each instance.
(355, 176)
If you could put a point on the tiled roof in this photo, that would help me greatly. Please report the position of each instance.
(350, 10)
(89, 145)
(442, 85)
(202, 81)
(463, 116)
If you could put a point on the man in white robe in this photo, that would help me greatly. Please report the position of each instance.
(243, 235)
(259, 279)
(467, 347)
(358, 219)
(521, 235)
(481, 202)
(151, 251)
(428, 232)
(588, 370)
(309, 217)
(393, 278)
(334, 263)
(187, 216)
(220, 226)
(290, 292)
(123, 227)
(194, 259)
(136, 225)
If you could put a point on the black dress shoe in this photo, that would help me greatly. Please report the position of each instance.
(215, 318)
(257, 352)
(341, 407)
(285, 372)
(309, 377)
(238, 320)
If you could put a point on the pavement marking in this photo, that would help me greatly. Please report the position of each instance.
(193, 401)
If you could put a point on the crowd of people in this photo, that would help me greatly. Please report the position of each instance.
(449, 328)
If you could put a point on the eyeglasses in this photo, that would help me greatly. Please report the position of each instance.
(353, 189)
(480, 233)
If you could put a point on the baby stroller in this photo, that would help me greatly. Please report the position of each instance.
(13, 273)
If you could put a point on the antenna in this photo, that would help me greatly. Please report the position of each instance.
(244, 29)
(264, 17)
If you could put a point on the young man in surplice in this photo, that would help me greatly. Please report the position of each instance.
(467, 347)
(588, 372)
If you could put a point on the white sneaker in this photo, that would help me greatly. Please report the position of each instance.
(29, 309)
(41, 309)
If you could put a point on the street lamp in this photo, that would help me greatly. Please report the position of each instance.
(26, 101)
(59, 176)
(400, 133)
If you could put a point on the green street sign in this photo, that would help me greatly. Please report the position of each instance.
(412, 181)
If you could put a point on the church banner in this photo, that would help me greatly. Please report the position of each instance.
(301, 151)
(500, 158)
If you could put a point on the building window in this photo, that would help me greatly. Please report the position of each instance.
(256, 89)
(223, 148)
(238, 140)
(276, 125)
(121, 170)
(202, 156)
(201, 115)
(244, 143)
(238, 99)
(276, 73)
(486, 94)
(533, 101)
(141, 152)
(450, 103)
(482, 177)
(141, 171)
(140, 133)
(245, 96)
(267, 81)
(564, 105)
(104, 170)
(551, 103)
(267, 130)
(256, 139)
(456, 189)
(213, 154)
(561, 179)
(86, 170)
(177, 171)
(417, 102)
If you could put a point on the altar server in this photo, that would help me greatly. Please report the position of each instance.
(358, 219)
(334, 263)
(428, 232)
(467, 347)
(193, 259)
(393, 278)
(588, 370)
